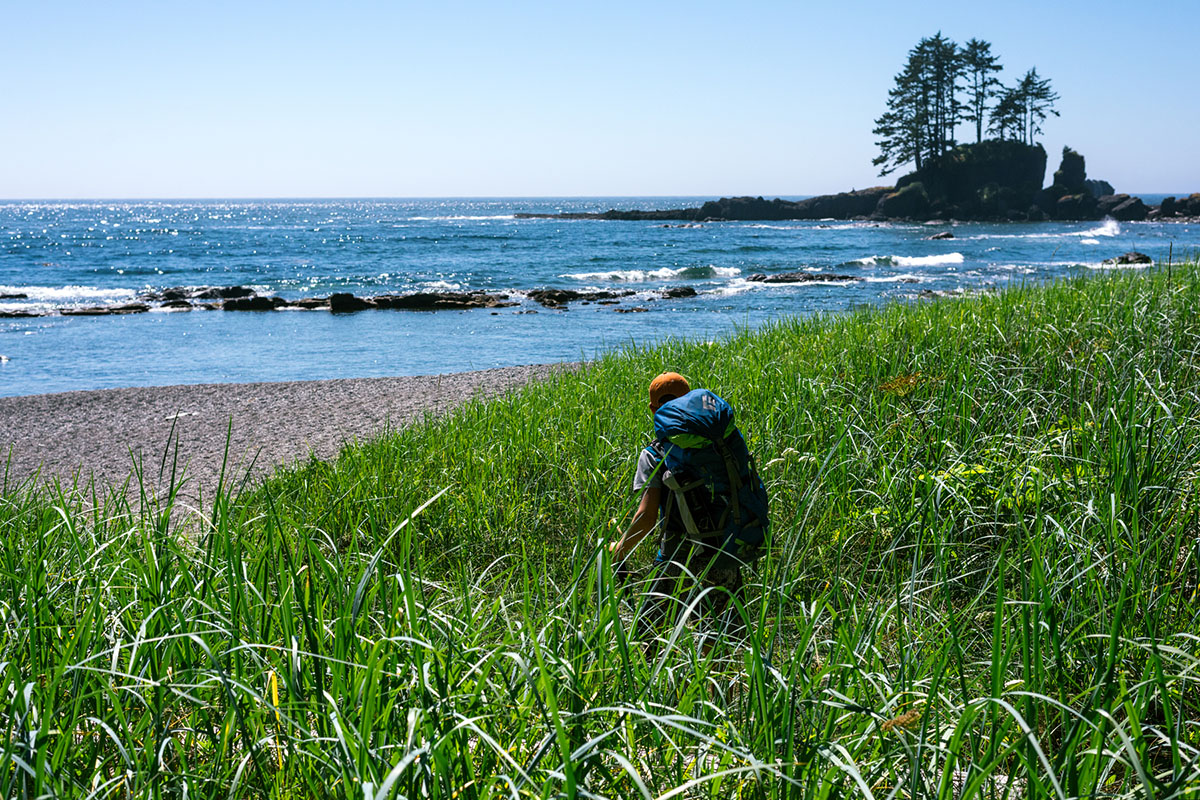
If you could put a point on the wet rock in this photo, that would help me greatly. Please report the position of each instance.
(221, 293)
(552, 298)
(801, 277)
(442, 301)
(346, 303)
(942, 235)
(177, 305)
(254, 303)
(19, 314)
(631, 310)
(678, 291)
(1132, 257)
(608, 302)
(310, 303)
(14, 296)
(101, 311)
(1193, 204)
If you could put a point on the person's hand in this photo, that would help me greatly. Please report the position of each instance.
(616, 550)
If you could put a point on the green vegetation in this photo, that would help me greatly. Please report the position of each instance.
(984, 584)
(924, 109)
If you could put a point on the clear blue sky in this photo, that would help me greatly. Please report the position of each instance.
(265, 99)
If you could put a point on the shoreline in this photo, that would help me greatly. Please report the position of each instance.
(100, 434)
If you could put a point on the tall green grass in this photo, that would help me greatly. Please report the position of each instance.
(983, 583)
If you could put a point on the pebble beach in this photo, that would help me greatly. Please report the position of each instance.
(102, 435)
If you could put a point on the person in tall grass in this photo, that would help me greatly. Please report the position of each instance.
(682, 566)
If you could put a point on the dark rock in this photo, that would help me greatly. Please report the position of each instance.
(310, 303)
(1106, 203)
(1132, 210)
(101, 311)
(1071, 174)
(168, 295)
(1132, 257)
(552, 298)
(801, 277)
(16, 314)
(1075, 206)
(527, 311)
(177, 304)
(440, 301)
(1098, 188)
(1169, 207)
(221, 293)
(631, 310)
(910, 202)
(608, 302)
(1193, 205)
(676, 292)
(942, 235)
(15, 296)
(346, 303)
(254, 303)
(982, 181)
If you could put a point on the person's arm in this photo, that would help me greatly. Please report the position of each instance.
(643, 522)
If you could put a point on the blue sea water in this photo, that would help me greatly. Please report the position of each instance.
(80, 253)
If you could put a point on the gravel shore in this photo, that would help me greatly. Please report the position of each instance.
(100, 434)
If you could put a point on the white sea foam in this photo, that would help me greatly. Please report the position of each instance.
(1109, 227)
(441, 285)
(911, 261)
(67, 294)
(734, 287)
(905, 278)
(1089, 241)
(662, 274)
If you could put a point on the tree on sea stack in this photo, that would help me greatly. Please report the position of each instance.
(923, 107)
(979, 64)
(1023, 108)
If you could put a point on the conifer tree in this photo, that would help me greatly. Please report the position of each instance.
(923, 107)
(978, 65)
(1023, 108)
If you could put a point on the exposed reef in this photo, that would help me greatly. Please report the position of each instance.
(242, 298)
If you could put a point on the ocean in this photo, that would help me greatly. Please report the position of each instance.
(85, 253)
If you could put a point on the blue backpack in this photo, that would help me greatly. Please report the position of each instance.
(711, 476)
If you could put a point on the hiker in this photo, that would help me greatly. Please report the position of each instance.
(703, 495)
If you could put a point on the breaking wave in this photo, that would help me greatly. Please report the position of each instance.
(1109, 227)
(665, 273)
(910, 261)
(69, 294)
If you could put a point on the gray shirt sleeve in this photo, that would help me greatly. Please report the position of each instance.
(649, 470)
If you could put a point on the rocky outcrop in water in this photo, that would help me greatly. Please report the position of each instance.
(989, 181)
(1132, 257)
(239, 298)
(801, 277)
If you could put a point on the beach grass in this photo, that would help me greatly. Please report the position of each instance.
(984, 582)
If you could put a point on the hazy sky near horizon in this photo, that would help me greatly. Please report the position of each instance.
(398, 99)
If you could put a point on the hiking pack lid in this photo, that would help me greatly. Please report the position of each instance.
(695, 420)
